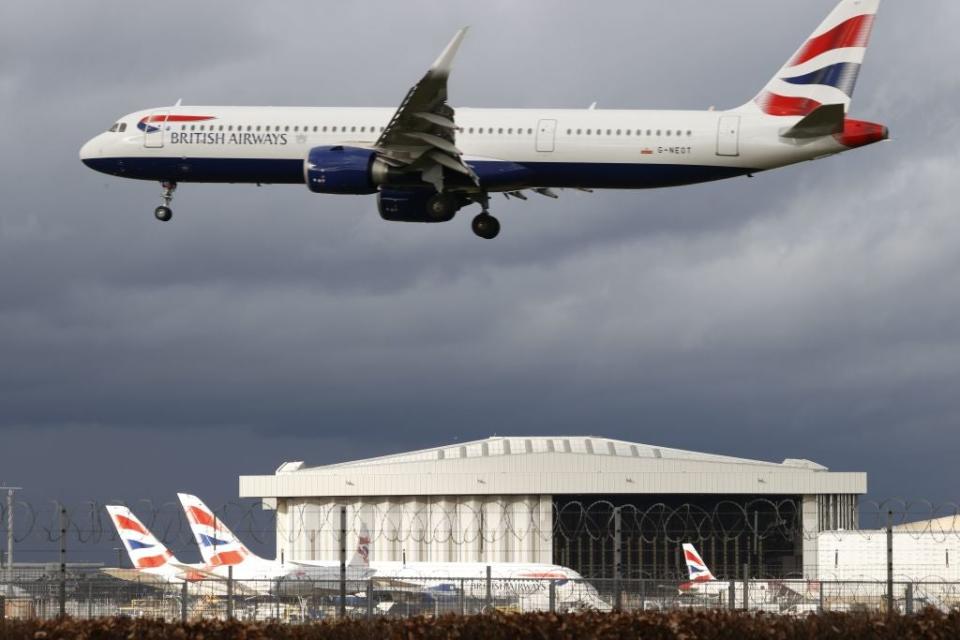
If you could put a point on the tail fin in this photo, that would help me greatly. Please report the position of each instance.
(218, 545)
(361, 557)
(696, 566)
(825, 68)
(146, 552)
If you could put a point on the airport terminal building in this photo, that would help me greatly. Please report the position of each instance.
(553, 500)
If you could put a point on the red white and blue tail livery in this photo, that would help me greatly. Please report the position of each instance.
(825, 68)
(696, 567)
(150, 558)
(218, 546)
(426, 160)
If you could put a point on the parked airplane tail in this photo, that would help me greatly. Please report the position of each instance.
(218, 545)
(146, 552)
(824, 69)
(699, 572)
(361, 557)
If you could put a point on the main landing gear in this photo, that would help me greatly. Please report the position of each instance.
(163, 213)
(485, 225)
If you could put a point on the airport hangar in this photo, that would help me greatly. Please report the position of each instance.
(552, 500)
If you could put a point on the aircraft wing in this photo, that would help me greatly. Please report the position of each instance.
(136, 575)
(421, 135)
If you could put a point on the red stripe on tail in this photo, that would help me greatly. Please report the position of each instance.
(130, 525)
(226, 558)
(202, 517)
(855, 32)
(777, 105)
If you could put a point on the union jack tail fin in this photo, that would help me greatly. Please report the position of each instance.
(218, 545)
(699, 572)
(361, 557)
(146, 552)
(825, 68)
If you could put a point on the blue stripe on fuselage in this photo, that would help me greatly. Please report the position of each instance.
(494, 175)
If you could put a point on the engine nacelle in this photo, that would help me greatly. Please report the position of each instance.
(406, 205)
(339, 169)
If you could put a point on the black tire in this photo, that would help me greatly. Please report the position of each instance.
(162, 213)
(441, 207)
(486, 226)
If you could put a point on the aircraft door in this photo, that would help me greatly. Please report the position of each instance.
(728, 136)
(154, 126)
(546, 135)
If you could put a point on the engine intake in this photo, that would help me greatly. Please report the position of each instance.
(339, 169)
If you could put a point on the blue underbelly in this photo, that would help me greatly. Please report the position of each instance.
(494, 175)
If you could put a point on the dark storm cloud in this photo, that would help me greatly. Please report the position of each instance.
(809, 312)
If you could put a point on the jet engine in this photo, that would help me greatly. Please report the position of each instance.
(352, 170)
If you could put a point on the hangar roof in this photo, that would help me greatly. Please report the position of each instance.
(550, 465)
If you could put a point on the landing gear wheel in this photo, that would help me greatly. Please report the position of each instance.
(441, 207)
(486, 226)
(163, 213)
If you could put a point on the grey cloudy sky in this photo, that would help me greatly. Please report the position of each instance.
(809, 312)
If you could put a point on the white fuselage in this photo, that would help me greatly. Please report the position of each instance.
(552, 147)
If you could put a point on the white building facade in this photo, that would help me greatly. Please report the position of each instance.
(538, 499)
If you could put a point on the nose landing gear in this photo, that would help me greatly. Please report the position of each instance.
(163, 213)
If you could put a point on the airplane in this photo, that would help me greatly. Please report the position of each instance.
(223, 554)
(529, 583)
(425, 160)
(152, 562)
(773, 595)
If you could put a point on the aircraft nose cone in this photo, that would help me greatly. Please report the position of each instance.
(90, 151)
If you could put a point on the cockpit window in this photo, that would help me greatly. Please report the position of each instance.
(114, 128)
(123, 127)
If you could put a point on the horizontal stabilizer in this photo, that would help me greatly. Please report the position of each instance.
(822, 121)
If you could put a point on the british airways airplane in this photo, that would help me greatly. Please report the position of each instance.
(426, 160)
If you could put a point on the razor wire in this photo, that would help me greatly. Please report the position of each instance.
(490, 521)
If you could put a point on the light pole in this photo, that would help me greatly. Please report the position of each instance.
(10, 491)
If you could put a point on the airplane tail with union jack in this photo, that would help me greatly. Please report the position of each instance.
(146, 552)
(218, 546)
(825, 68)
(696, 567)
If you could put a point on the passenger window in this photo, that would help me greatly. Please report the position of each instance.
(619, 132)
(353, 129)
(588, 131)
(649, 132)
(689, 133)
(658, 132)
(669, 132)
(609, 132)
(529, 132)
(629, 132)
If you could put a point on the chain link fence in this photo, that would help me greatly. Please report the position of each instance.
(94, 596)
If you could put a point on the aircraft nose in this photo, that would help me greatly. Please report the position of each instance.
(90, 150)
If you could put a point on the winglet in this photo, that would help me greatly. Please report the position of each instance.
(444, 63)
